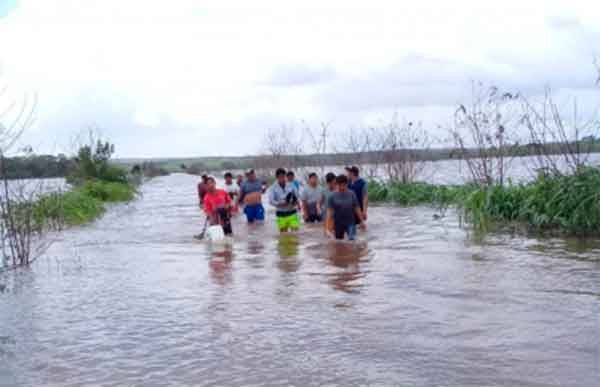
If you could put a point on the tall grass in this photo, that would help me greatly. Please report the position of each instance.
(80, 205)
(412, 194)
(567, 203)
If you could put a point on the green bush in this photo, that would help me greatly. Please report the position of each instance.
(71, 208)
(411, 194)
(109, 192)
(81, 205)
(568, 203)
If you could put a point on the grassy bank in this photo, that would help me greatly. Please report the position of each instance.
(569, 204)
(81, 205)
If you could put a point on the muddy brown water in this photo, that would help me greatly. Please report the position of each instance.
(134, 300)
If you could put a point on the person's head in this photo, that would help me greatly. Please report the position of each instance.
(290, 176)
(228, 178)
(205, 179)
(240, 179)
(211, 183)
(330, 180)
(251, 175)
(280, 175)
(352, 172)
(313, 179)
(342, 182)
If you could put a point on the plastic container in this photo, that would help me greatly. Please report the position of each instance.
(215, 233)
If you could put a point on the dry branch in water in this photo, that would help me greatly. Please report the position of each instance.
(21, 237)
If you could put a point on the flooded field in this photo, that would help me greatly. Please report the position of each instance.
(133, 299)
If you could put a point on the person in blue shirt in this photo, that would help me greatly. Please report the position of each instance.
(359, 186)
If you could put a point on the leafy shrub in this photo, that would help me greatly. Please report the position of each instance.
(570, 203)
(69, 208)
(108, 192)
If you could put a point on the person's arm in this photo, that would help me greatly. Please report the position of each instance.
(228, 202)
(320, 202)
(198, 188)
(242, 194)
(365, 204)
(361, 216)
(329, 221)
(273, 198)
(305, 209)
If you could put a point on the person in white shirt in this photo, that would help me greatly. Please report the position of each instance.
(232, 189)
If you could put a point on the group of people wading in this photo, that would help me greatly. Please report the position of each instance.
(341, 205)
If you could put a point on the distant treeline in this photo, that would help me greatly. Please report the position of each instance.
(50, 166)
(205, 164)
(38, 166)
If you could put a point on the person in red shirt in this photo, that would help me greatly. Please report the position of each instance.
(218, 206)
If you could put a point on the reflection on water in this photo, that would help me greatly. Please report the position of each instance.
(288, 247)
(133, 299)
(346, 257)
(220, 264)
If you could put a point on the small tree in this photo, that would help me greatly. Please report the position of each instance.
(22, 237)
(481, 134)
(558, 144)
(318, 146)
(402, 147)
(93, 161)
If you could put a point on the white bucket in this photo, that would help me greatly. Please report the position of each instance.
(216, 234)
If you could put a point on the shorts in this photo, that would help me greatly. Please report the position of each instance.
(285, 222)
(341, 230)
(254, 212)
(314, 218)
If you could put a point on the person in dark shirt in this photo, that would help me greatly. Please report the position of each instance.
(343, 209)
(202, 189)
(360, 188)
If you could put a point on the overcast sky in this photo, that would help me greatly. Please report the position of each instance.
(196, 78)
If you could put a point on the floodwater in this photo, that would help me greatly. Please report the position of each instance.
(134, 300)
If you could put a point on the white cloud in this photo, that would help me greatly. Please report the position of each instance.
(191, 78)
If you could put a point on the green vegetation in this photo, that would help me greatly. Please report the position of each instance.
(69, 208)
(564, 203)
(95, 181)
(413, 194)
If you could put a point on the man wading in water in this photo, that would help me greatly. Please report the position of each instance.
(251, 197)
(202, 187)
(360, 189)
(342, 211)
(283, 196)
(232, 189)
(217, 206)
(312, 200)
